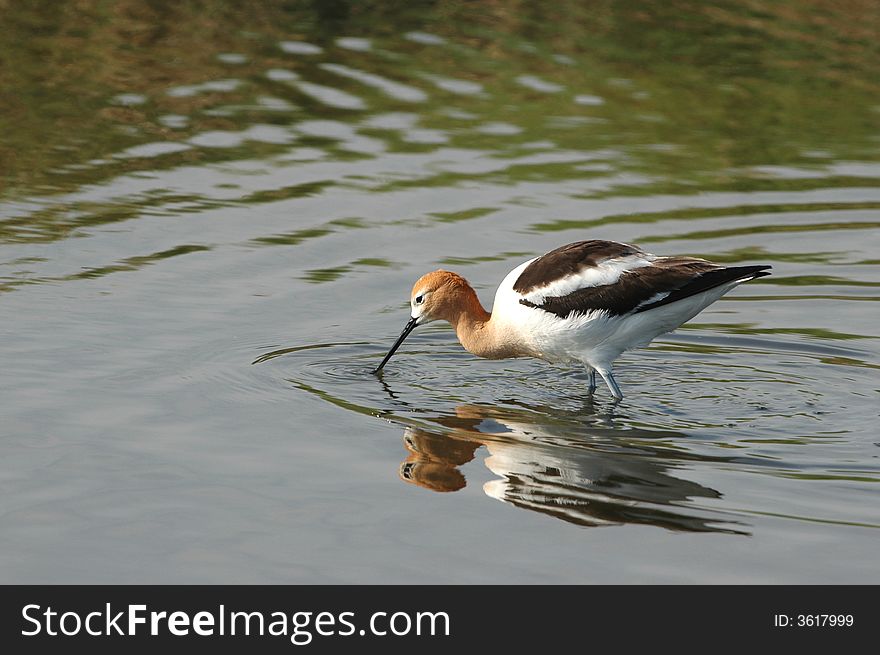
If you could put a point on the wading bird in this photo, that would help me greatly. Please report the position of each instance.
(584, 302)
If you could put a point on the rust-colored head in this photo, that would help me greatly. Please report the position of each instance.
(436, 295)
(434, 459)
(439, 295)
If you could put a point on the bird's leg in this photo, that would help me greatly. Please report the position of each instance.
(592, 386)
(608, 376)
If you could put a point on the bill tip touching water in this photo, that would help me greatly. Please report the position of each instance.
(586, 302)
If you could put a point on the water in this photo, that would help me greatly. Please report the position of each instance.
(210, 220)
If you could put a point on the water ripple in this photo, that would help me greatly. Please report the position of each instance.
(216, 241)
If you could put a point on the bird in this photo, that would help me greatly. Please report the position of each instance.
(585, 302)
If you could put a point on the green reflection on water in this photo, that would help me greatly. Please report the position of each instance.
(711, 91)
(819, 280)
(765, 229)
(696, 213)
(817, 333)
(293, 238)
(318, 275)
(714, 99)
(467, 214)
(374, 261)
(469, 261)
(134, 263)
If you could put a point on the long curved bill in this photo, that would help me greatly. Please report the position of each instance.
(410, 326)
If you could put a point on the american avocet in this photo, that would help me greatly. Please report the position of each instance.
(585, 302)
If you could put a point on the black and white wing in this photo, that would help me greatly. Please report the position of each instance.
(618, 279)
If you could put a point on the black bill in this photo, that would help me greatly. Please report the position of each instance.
(403, 335)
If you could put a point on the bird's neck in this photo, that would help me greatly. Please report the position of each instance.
(477, 333)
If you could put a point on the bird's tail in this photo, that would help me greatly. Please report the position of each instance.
(710, 280)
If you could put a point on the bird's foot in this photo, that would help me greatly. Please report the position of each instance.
(608, 376)
(591, 387)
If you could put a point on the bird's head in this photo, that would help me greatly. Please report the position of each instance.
(438, 295)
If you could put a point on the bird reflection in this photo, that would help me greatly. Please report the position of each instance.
(587, 480)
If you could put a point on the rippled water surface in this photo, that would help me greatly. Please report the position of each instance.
(210, 220)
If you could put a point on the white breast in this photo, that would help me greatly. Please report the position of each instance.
(546, 335)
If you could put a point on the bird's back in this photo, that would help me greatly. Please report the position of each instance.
(592, 300)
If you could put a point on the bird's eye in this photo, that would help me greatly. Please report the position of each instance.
(420, 300)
